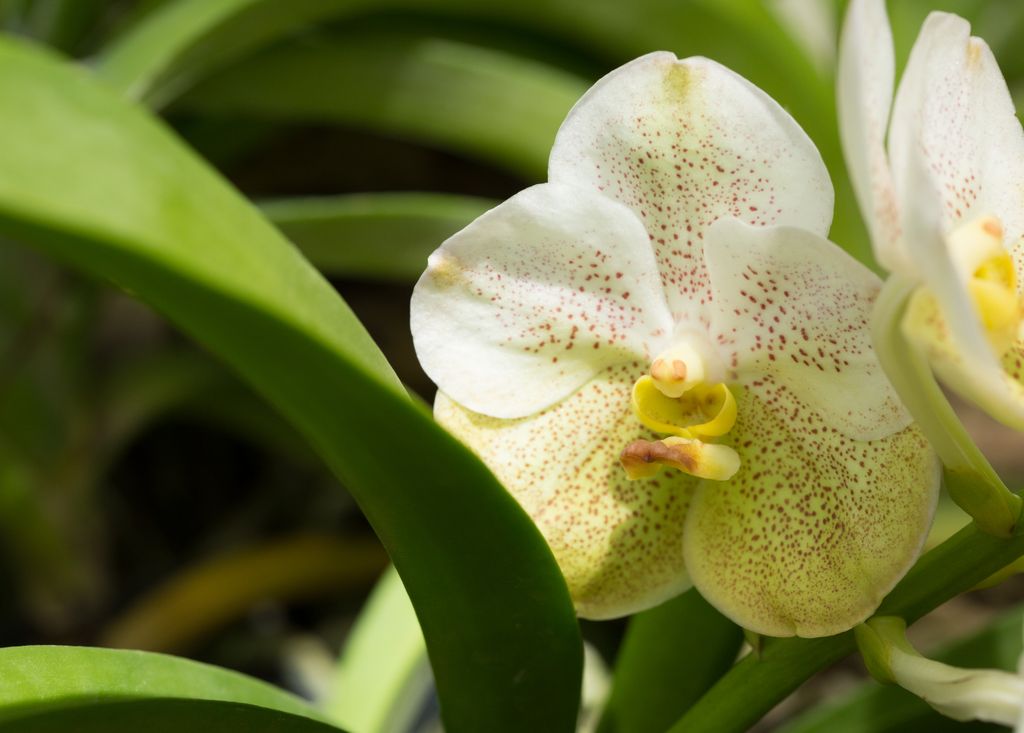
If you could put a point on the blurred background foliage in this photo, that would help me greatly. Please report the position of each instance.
(148, 499)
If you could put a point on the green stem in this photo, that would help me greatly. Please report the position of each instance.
(972, 482)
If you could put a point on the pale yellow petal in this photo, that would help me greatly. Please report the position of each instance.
(815, 528)
(617, 541)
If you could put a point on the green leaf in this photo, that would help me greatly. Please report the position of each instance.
(383, 677)
(384, 236)
(453, 95)
(200, 600)
(165, 716)
(189, 39)
(43, 688)
(101, 185)
(670, 656)
(755, 685)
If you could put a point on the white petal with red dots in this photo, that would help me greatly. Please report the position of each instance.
(954, 118)
(684, 143)
(617, 541)
(944, 322)
(866, 72)
(793, 306)
(534, 298)
(815, 528)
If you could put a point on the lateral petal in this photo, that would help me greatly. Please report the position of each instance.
(795, 307)
(536, 297)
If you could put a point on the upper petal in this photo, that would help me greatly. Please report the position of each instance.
(954, 117)
(534, 298)
(815, 528)
(684, 143)
(865, 84)
(793, 305)
(618, 542)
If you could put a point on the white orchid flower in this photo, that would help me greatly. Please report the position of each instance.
(655, 305)
(941, 184)
(988, 695)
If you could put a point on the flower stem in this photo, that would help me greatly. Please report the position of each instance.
(970, 479)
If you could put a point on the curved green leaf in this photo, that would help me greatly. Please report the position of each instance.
(43, 686)
(194, 603)
(382, 236)
(670, 656)
(103, 186)
(756, 684)
(175, 48)
(189, 38)
(165, 716)
(454, 95)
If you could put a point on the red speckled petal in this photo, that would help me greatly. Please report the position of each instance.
(791, 305)
(684, 143)
(534, 298)
(815, 528)
(865, 86)
(954, 118)
(618, 542)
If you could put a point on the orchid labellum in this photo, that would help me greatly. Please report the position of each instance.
(669, 366)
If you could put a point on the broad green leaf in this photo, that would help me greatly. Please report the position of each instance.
(174, 49)
(187, 39)
(382, 236)
(875, 708)
(670, 656)
(84, 689)
(454, 95)
(165, 716)
(383, 676)
(101, 185)
(756, 684)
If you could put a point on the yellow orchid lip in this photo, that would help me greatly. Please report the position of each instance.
(673, 400)
(990, 278)
(704, 411)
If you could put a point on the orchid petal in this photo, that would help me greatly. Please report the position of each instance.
(976, 375)
(617, 541)
(534, 298)
(954, 117)
(795, 307)
(865, 85)
(815, 528)
(684, 143)
(943, 321)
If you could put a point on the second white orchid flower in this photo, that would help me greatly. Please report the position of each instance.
(941, 183)
(653, 306)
